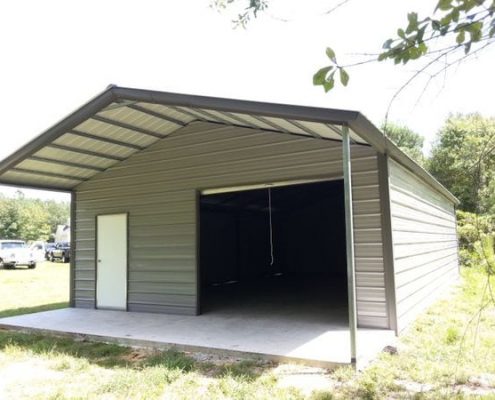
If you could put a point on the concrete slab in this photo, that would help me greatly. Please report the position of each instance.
(277, 338)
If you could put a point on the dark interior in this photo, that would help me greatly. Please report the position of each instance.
(308, 235)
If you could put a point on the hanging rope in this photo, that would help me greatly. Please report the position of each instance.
(272, 258)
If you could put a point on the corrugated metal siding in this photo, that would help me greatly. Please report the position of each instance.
(425, 242)
(158, 187)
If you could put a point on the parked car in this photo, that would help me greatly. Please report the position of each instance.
(40, 250)
(61, 252)
(48, 249)
(14, 253)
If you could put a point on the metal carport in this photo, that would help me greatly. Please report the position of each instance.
(120, 123)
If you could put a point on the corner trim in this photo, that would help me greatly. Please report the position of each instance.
(388, 242)
(72, 273)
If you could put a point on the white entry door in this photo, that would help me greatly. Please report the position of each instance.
(111, 262)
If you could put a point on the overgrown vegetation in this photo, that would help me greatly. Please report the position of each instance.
(30, 219)
(406, 139)
(463, 159)
(476, 239)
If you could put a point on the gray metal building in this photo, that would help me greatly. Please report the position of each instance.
(177, 196)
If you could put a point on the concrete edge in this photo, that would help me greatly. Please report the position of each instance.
(142, 343)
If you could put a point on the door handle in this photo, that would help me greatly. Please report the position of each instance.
(99, 260)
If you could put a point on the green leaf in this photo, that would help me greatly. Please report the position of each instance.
(320, 76)
(388, 43)
(435, 25)
(423, 48)
(460, 37)
(413, 22)
(446, 20)
(383, 56)
(475, 30)
(328, 85)
(455, 15)
(412, 17)
(331, 55)
(401, 33)
(344, 77)
(444, 5)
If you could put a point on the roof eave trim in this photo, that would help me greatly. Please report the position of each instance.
(94, 105)
(36, 187)
(302, 113)
(369, 132)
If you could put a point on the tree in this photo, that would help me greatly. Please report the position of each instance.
(30, 219)
(463, 159)
(406, 139)
(455, 30)
(9, 219)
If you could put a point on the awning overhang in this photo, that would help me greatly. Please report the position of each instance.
(120, 121)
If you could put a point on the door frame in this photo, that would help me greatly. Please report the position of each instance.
(241, 188)
(126, 213)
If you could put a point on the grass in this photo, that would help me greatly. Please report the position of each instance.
(441, 356)
(24, 290)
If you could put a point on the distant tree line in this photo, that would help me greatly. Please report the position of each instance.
(462, 158)
(31, 219)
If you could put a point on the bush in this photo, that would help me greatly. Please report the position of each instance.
(476, 239)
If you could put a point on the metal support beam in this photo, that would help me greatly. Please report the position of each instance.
(66, 163)
(129, 127)
(334, 128)
(86, 152)
(349, 235)
(304, 128)
(118, 104)
(240, 120)
(275, 126)
(105, 140)
(155, 114)
(72, 277)
(196, 117)
(210, 117)
(49, 174)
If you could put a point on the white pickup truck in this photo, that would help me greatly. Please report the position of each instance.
(14, 253)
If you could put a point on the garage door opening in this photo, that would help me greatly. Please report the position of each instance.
(276, 251)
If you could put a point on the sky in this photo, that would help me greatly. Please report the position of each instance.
(58, 54)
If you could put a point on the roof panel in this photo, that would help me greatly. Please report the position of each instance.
(22, 178)
(141, 120)
(322, 130)
(227, 117)
(286, 125)
(166, 111)
(63, 155)
(252, 120)
(78, 142)
(197, 114)
(42, 166)
(100, 129)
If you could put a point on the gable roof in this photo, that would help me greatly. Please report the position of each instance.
(122, 121)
